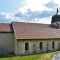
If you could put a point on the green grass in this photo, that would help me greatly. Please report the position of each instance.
(29, 57)
(43, 56)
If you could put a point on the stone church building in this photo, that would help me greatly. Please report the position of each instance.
(29, 38)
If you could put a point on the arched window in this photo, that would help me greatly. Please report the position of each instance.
(41, 45)
(53, 45)
(26, 46)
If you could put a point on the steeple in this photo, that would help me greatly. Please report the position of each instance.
(56, 17)
(57, 8)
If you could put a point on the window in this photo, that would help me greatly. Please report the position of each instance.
(41, 45)
(53, 44)
(26, 46)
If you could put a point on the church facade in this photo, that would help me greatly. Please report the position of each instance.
(30, 38)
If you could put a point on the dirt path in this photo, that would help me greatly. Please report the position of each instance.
(48, 56)
(56, 57)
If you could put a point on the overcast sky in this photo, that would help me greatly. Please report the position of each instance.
(33, 11)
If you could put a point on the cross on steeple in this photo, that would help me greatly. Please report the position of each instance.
(57, 8)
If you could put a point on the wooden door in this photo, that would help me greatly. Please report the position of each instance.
(34, 48)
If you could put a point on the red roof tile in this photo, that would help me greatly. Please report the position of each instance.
(34, 31)
(5, 27)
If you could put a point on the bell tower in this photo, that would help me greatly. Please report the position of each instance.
(56, 19)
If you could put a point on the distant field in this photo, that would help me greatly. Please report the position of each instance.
(44, 56)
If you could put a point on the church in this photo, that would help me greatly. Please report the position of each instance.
(23, 38)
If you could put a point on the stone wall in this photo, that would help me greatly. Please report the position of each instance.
(47, 46)
(15, 45)
(6, 43)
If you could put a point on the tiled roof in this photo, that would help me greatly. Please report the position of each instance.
(5, 27)
(34, 31)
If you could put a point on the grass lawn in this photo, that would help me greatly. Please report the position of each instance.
(29, 57)
(44, 56)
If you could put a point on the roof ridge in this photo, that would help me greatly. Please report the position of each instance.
(31, 23)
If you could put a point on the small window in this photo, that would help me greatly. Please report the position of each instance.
(53, 45)
(26, 46)
(41, 45)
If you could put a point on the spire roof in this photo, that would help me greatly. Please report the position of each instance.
(57, 8)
